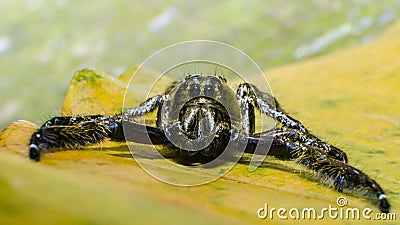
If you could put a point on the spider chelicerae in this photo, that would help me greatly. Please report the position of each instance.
(191, 110)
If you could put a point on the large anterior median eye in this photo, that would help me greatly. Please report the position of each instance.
(194, 90)
(209, 90)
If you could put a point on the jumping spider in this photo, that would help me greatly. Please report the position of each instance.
(199, 113)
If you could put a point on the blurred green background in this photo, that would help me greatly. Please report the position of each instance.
(43, 42)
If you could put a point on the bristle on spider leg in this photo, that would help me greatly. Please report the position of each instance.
(61, 133)
(343, 175)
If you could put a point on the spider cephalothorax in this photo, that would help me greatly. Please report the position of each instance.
(197, 117)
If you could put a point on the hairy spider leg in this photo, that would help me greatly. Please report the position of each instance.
(250, 96)
(68, 132)
(145, 107)
(138, 133)
(268, 105)
(245, 98)
(286, 146)
(78, 131)
(129, 130)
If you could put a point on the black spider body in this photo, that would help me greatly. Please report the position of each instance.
(198, 117)
(194, 111)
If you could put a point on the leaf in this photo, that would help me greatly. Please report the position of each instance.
(93, 92)
(349, 97)
(16, 136)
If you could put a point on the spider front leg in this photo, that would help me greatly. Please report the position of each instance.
(250, 97)
(267, 104)
(68, 132)
(146, 107)
(286, 145)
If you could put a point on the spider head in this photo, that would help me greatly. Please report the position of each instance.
(213, 88)
(201, 112)
(196, 85)
(201, 93)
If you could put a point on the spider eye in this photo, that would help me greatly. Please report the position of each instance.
(184, 85)
(209, 90)
(219, 87)
(194, 90)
